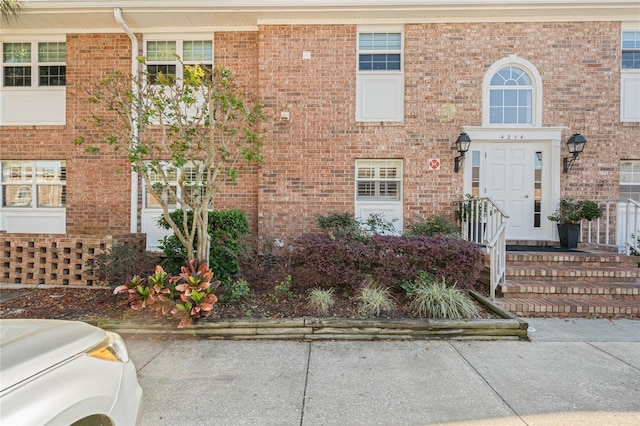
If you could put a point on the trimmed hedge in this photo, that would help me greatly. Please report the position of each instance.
(320, 260)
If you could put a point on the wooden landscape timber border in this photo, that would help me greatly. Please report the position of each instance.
(507, 327)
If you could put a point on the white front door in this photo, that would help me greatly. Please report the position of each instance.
(513, 174)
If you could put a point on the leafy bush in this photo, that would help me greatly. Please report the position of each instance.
(188, 296)
(233, 291)
(433, 299)
(437, 226)
(374, 299)
(322, 261)
(343, 224)
(261, 262)
(282, 291)
(226, 228)
(118, 264)
(321, 300)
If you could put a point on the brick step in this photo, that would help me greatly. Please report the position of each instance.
(572, 273)
(572, 289)
(568, 307)
(569, 259)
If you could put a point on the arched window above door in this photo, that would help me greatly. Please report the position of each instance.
(512, 94)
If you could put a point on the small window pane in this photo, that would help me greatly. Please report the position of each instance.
(52, 195)
(51, 171)
(155, 70)
(380, 41)
(161, 50)
(17, 76)
(17, 196)
(52, 76)
(510, 97)
(197, 51)
(17, 171)
(52, 52)
(16, 53)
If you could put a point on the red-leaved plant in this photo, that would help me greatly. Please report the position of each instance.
(188, 296)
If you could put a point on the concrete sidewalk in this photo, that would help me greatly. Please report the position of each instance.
(574, 371)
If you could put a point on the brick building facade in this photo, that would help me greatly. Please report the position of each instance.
(332, 154)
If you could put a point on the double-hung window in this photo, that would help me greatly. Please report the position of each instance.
(162, 56)
(630, 76)
(34, 64)
(33, 196)
(33, 79)
(630, 180)
(379, 190)
(380, 75)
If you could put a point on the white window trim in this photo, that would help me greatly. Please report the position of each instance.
(32, 105)
(395, 78)
(536, 95)
(179, 39)
(391, 209)
(34, 41)
(629, 82)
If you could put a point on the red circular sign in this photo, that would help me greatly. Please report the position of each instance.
(434, 164)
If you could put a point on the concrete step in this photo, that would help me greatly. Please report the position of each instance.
(568, 307)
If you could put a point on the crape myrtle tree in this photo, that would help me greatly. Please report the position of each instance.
(186, 137)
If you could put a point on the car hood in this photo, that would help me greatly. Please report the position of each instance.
(30, 346)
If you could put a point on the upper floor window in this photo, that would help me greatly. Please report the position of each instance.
(512, 94)
(630, 75)
(631, 50)
(33, 184)
(34, 64)
(380, 74)
(162, 56)
(511, 97)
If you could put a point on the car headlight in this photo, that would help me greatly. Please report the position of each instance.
(110, 349)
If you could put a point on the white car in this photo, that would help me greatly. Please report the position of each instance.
(61, 372)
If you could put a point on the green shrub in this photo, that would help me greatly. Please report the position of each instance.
(117, 265)
(433, 299)
(342, 224)
(233, 291)
(374, 299)
(282, 291)
(321, 300)
(226, 228)
(437, 226)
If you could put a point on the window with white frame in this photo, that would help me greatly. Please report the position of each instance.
(630, 179)
(162, 56)
(511, 97)
(34, 64)
(33, 76)
(33, 184)
(630, 77)
(169, 190)
(512, 94)
(378, 180)
(380, 75)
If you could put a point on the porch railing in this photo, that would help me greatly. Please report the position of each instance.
(485, 223)
(618, 228)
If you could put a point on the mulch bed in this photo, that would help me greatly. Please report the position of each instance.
(87, 304)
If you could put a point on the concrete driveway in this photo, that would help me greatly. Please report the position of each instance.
(576, 371)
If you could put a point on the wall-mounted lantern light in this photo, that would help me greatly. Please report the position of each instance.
(462, 145)
(575, 144)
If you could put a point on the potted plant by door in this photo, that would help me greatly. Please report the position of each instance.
(569, 215)
(472, 211)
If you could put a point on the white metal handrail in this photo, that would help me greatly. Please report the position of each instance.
(618, 228)
(485, 223)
